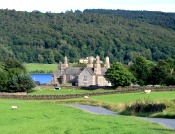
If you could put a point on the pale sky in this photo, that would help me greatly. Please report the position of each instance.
(58, 6)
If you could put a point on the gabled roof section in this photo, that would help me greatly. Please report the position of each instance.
(57, 73)
(73, 70)
(90, 70)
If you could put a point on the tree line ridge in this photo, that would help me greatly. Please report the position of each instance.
(122, 35)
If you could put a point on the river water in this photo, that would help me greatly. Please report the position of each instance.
(42, 78)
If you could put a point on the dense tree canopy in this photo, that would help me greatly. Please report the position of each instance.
(14, 77)
(160, 73)
(147, 72)
(141, 68)
(166, 20)
(118, 75)
(48, 37)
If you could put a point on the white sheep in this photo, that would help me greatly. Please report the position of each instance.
(86, 97)
(14, 107)
(147, 91)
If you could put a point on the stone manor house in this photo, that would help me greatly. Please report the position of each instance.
(91, 75)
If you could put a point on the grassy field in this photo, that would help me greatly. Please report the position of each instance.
(33, 67)
(44, 91)
(114, 99)
(119, 102)
(131, 97)
(41, 117)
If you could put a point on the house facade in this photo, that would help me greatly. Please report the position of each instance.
(92, 74)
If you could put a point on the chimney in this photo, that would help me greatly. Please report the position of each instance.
(90, 62)
(65, 65)
(107, 64)
(97, 68)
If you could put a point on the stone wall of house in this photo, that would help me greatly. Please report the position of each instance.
(85, 78)
(101, 81)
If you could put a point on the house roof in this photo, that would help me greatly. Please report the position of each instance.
(73, 70)
(77, 71)
(91, 70)
(57, 73)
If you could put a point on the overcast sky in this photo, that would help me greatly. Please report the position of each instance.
(58, 6)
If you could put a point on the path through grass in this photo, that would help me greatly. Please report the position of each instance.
(37, 117)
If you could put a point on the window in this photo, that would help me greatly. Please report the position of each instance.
(84, 78)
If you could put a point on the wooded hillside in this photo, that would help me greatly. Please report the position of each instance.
(48, 37)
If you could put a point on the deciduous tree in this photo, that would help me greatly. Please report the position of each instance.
(141, 68)
(118, 75)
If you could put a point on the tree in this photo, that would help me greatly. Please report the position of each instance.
(3, 80)
(170, 80)
(13, 77)
(12, 63)
(50, 57)
(21, 83)
(118, 75)
(141, 70)
(160, 73)
(40, 58)
(171, 63)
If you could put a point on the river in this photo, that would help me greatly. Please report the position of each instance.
(42, 78)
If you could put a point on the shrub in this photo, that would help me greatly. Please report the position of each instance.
(145, 107)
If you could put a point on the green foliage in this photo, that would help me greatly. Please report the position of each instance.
(141, 68)
(170, 80)
(118, 75)
(13, 77)
(21, 83)
(48, 37)
(3, 80)
(160, 73)
(13, 65)
(166, 20)
(145, 107)
(147, 72)
(80, 65)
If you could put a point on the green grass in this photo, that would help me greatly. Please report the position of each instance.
(120, 102)
(32, 67)
(131, 97)
(45, 91)
(39, 117)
